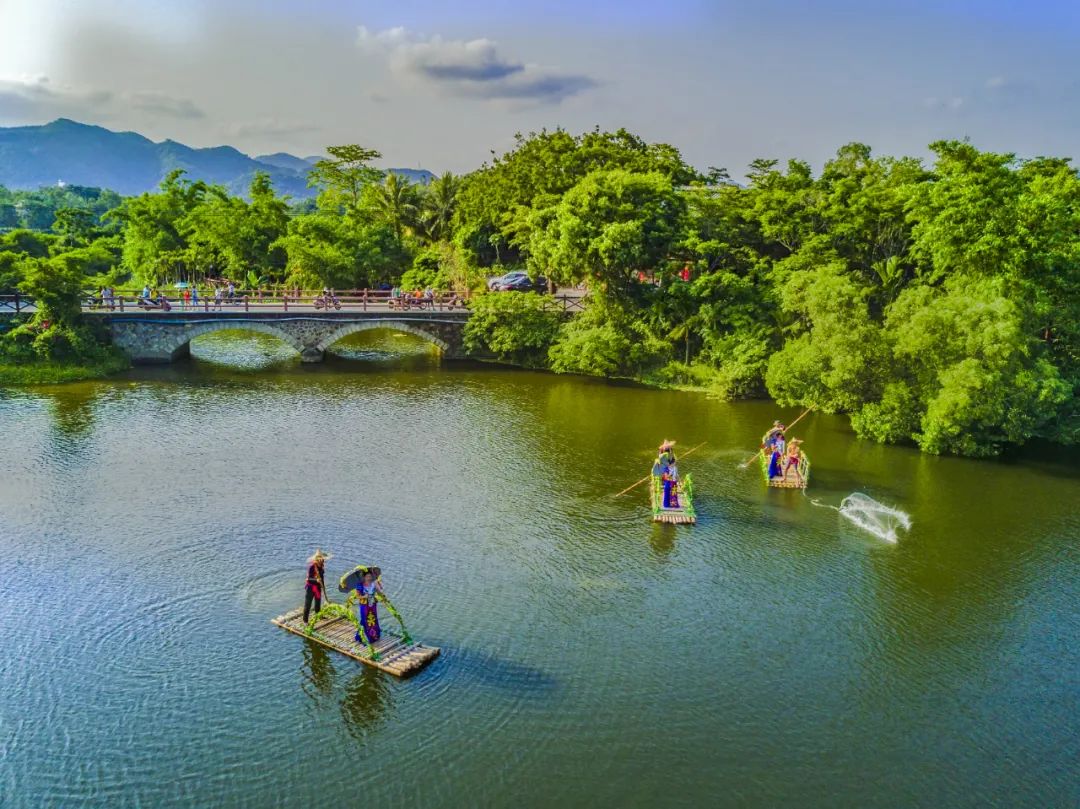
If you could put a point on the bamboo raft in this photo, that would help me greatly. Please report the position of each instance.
(395, 655)
(684, 514)
(788, 481)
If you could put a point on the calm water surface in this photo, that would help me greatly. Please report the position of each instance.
(773, 655)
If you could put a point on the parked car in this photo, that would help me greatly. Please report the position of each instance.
(496, 281)
(524, 284)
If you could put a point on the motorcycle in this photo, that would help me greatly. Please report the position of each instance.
(326, 300)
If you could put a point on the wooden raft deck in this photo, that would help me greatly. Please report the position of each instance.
(788, 481)
(674, 516)
(781, 483)
(685, 514)
(395, 656)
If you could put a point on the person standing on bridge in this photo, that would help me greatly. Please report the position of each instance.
(194, 296)
(314, 587)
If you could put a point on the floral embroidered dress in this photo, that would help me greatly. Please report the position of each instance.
(367, 612)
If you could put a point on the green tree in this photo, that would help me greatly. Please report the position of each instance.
(74, 226)
(513, 327)
(394, 201)
(154, 228)
(346, 171)
(542, 167)
(609, 227)
(438, 205)
(967, 377)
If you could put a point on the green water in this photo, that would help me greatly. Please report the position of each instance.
(773, 655)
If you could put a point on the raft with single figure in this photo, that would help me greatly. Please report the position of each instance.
(672, 495)
(353, 628)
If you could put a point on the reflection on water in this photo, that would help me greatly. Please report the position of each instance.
(367, 694)
(774, 654)
(390, 349)
(240, 350)
(319, 672)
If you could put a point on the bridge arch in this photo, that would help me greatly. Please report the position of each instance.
(183, 337)
(395, 325)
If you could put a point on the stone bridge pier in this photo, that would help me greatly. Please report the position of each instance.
(162, 337)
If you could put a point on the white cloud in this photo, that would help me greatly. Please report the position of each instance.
(470, 67)
(37, 97)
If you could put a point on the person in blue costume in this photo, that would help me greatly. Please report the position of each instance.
(669, 476)
(776, 469)
(367, 610)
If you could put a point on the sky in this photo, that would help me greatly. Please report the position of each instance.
(442, 85)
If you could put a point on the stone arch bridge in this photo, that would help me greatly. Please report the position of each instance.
(161, 337)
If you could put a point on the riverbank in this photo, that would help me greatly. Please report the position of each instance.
(51, 373)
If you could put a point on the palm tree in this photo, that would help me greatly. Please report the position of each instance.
(395, 201)
(439, 204)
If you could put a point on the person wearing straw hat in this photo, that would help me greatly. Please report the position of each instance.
(313, 587)
(794, 457)
(668, 473)
(774, 435)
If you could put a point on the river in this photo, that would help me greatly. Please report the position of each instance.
(773, 655)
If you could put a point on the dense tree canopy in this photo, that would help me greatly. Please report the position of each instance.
(936, 302)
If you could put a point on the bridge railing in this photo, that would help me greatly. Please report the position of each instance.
(289, 301)
(14, 303)
(281, 301)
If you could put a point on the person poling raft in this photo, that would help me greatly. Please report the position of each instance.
(672, 496)
(353, 628)
(313, 586)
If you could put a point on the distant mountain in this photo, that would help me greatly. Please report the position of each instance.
(420, 176)
(128, 163)
(284, 160)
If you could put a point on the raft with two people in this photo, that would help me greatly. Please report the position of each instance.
(353, 628)
(784, 464)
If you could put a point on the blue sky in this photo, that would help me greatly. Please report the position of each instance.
(442, 84)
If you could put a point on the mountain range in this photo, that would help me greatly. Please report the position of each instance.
(70, 152)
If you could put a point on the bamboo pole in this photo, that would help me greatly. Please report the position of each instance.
(635, 485)
(788, 427)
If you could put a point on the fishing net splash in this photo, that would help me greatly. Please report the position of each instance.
(873, 517)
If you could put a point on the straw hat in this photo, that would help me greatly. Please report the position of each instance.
(668, 444)
(318, 556)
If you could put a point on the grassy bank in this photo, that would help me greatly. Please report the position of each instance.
(47, 373)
